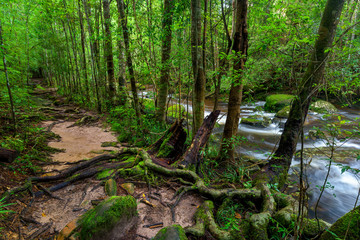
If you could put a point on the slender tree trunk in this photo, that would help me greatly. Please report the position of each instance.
(279, 164)
(129, 59)
(122, 65)
(240, 46)
(108, 50)
(93, 54)
(198, 68)
(84, 65)
(12, 108)
(165, 60)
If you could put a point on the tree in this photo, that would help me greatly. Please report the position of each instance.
(125, 31)
(239, 49)
(279, 164)
(165, 60)
(108, 51)
(197, 64)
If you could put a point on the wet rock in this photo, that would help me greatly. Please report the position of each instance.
(114, 218)
(322, 106)
(256, 121)
(174, 232)
(283, 113)
(129, 188)
(276, 102)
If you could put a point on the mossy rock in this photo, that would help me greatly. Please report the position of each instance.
(110, 187)
(173, 232)
(276, 102)
(129, 188)
(283, 113)
(256, 121)
(348, 224)
(114, 218)
(322, 106)
(173, 111)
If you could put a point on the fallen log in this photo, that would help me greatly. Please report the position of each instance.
(8, 155)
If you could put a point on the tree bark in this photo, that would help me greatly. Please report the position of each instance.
(279, 164)
(240, 47)
(165, 60)
(128, 58)
(198, 68)
(109, 51)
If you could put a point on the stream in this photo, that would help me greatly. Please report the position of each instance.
(342, 189)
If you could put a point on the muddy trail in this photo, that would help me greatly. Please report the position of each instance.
(83, 135)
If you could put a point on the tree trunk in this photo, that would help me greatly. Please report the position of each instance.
(198, 68)
(128, 58)
(240, 46)
(7, 80)
(165, 60)
(108, 51)
(279, 164)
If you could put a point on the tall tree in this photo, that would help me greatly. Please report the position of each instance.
(165, 60)
(279, 164)
(109, 50)
(197, 65)
(239, 49)
(121, 9)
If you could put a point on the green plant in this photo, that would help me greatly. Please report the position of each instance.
(3, 209)
(277, 231)
(228, 216)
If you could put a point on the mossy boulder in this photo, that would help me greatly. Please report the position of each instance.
(276, 102)
(173, 111)
(256, 121)
(348, 225)
(322, 106)
(114, 218)
(173, 232)
(283, 113)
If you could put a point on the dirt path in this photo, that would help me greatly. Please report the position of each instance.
(67, 204)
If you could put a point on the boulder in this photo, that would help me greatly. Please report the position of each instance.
(276, 102)
(256, 121)
(173, 232)
(322, 106)
(283, 113)
(114, 218)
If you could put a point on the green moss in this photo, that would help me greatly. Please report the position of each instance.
(104, 174)
(256, 120)
(165, 149)
(110, 187)
(173, 111)
(109, 144)
(276, 102)
(283, 113)
(173, 232)
(104, 217)
(349, 223)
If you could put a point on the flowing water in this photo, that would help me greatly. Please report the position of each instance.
(342, 189)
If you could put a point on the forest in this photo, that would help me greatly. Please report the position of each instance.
(164, 119)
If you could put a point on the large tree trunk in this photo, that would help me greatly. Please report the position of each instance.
(108, 51)
(279, 164)
(198, 68)
(128, 58)
(165, 60)
(240, 46)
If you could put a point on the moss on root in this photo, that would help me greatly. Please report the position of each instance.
(173, 232)
(104, 217)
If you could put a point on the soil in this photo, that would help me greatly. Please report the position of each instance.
(52, 214)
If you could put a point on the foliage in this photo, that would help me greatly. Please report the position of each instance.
(277, 231)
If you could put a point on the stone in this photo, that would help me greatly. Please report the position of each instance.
(173, 232)
(276, 102)
(129, 188)
(110, 187)
(114, 218)
(283, 113)
(256, 121)
(322, 106)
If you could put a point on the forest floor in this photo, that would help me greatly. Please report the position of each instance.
(44, 217)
